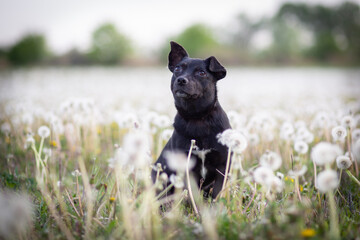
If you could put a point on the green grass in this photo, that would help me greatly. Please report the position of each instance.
(105, 203)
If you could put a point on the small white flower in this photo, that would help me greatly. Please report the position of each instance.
(177, 161)
(348, 121)
(301, 147)
(343, 162)
(76, 173)
(339, 133)
(271, 160)
(177, 181)
(263, 176)
(6, 127)
(233, 139)
(44, 131)
(325, 153)
(327, 180)
(298, 172)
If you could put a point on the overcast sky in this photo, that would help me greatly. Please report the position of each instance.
(69, 23)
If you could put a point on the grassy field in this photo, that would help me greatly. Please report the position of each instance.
(73, 172)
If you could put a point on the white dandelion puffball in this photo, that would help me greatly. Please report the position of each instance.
(76, 173)
(327, 180)
(264, 176)
(233, 139)
(301, 147)
(343, 162)
(44, 131)
(166, 134)
(355, 134)
(339, 133)
(177, 181)
(298, 172)
(325, 153)
(271, 160)
(277, 185)
(177, 161)
(348, 121)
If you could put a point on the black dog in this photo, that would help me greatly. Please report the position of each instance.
(199, 117)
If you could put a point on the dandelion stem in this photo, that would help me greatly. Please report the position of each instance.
(226, 170)
(251, 200)
(188, 178)
(314, 174)
(297, 187)
(164, 191)
(349, 151)
(334, 225)
(353, 177)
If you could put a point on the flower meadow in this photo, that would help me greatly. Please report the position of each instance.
(79, 167)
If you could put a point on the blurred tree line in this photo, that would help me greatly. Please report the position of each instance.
(298, 34)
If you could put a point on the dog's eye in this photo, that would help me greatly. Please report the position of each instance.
(202, 73)
(177, 69)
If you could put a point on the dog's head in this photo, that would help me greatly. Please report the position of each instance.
(193, 83)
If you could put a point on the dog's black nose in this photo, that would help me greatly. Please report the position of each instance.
(182, 81)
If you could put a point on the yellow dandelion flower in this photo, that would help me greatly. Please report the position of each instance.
(308, 232)
(53, 143)
(112, 199)
(98, 130)
(301, 188)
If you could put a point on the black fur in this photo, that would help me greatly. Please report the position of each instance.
(199, 116)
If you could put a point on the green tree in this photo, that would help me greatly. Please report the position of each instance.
(109, 46)
(197, 39)
(29, 50)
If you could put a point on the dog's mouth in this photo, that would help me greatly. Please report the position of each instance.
(182, 94)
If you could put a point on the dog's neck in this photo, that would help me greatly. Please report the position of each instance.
(205, 123)
(195, 113)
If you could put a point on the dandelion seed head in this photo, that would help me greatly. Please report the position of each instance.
(263, 176)
(355, 134)
(343, 162)
(76, 173)
(339, 133)
(44, 131)
(301, 147)
(233, 139)
(177, 180)
(271, 160)
(298, 171)
(348, 121)
(177, 161)
(277, 185)
(327, 180)
(325, 153)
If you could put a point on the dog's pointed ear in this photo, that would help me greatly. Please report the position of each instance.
(176, 54)
(215, 68)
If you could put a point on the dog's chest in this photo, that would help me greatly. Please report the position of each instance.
(201, 154)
